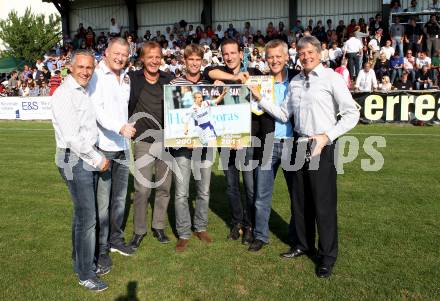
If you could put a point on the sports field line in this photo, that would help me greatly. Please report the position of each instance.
(18, 129)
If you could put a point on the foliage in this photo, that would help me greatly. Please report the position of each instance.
(30, 36)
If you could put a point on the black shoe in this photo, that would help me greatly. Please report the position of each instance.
(136, 241)
(235, 232)
(161, 236)
(122, 249)
(104, 261)
(324, 270)
(293, 253)
(248, 236)
(256, 245)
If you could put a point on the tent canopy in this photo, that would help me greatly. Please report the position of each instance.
(9, 64)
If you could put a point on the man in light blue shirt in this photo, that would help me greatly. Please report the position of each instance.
(277, 57)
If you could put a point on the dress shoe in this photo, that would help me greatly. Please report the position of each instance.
(136, 241)
(293, 253)
(181, 245)
(324, 270)
(161, 236)
(248, 236)
(203, 236)
(235, 232)
(256, 245)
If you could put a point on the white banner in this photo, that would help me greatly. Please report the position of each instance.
(25, 108)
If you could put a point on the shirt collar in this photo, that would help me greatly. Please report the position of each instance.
(286, 79)
(72, 83)
(317, 71)
(107, 70)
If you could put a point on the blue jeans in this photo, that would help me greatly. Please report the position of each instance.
(398, 45)
(111, 194)
(202, 179)
(420, 86)
(241, 213)
(81, 182)
(264, 190)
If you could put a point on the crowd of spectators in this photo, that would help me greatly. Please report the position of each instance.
(370, 55)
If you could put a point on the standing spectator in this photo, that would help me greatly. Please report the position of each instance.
(376, 24)
(341, 31)
(432, 31)
(319, 32)
(413, 36)
(397, 32)
(375, 44)
(39, 64)
(231, 31)
(424, 79)
(114, 29)
(219, 32)
(353, 51)
(102, 38)
(351, 27)
(435, 65)
(298, 28)
(325, 58)
(55, 82)
(366, 80)
(292, 54)
(396, 63)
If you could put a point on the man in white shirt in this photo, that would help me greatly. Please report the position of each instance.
(114, 29)
(387, 49)
(353, 51)
(109, 90)
(423, 60)
(315, 97)
(366, 80)
(374, 45)
(78, 161)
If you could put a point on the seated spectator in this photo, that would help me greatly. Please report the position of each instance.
(435, 66)
(382, 67)
(270, 31)
(292, 54)
(34, 90)
(342, 70)
(44, 89)
(409, 64)
(350, 28)
(377, 24)
(423, 60)
(366, 80)
(25, 73)
(395, 7)
(24, 89)
(375, 44)
(387, 49)
(325, 54)
(132, 54)
(147, 35)
(219, 32)
(298, 28)
(335, 55)
(90, 37)
(424, 79)
(231, 31)
(385, 86)
(13, 81)
(341, 31)
(396, 64)
(413, 7)
(205, 40)
(404, 83)
(55, 82)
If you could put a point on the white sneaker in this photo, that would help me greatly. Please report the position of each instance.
(94, 284)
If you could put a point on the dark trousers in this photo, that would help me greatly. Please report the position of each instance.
(315, 202)
(353, 64)
(243, 211)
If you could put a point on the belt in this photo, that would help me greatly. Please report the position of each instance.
(66, 150)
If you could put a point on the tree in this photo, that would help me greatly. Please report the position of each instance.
(29, 37)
